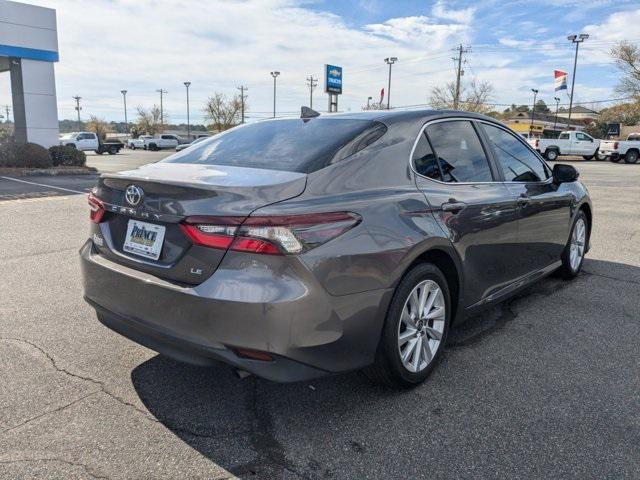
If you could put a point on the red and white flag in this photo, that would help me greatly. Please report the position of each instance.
(560, 79)
(381, 96)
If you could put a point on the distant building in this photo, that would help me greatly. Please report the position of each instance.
(544, 124)
(579, 113)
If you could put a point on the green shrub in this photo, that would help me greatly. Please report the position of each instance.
(28, 155)
(67, 156)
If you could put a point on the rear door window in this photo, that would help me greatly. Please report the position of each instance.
(294, 145)
(461, 157)
(424, 160)
(517, 161)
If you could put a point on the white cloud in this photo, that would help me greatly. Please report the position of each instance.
(464, 15)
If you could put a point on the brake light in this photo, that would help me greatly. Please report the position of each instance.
(275, 235)
(615, 145)
(96, 207)
(537, 143)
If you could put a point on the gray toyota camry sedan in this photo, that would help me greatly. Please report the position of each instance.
(301, 247)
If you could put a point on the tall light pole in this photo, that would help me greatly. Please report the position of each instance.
(533, 112)
(187, 85)
(274, 75)
(389, 61)
(161, 91)
(555, 121)
(243, 97)
(124, 99)
(369, 102)
(78, 108)
(577, 39)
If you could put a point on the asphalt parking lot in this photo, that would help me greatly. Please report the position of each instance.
(546, 385)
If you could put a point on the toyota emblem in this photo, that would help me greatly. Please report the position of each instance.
(133, 195)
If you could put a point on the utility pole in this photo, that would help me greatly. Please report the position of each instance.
(577, 39)
(389, 61)
(124, 98)
(7, 110)
(78, 108)
(161, 92)
(311, 83)
(533, 112)
(369, 102)
(274, 75)
(242, 89)
(459, 72)
(555, 121)
(187, 85)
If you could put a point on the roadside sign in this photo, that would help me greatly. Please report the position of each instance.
(613, 129)
(332, 79)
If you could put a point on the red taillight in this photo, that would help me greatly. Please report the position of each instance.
(615, 145)
(269, 235)
(537, 143)
(96, 208)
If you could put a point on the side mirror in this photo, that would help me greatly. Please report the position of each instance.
(563, 173)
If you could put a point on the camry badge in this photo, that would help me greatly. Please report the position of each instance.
(133, 195)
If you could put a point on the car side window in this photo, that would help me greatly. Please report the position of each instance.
(582, 136)
(460, 155)
(564, 136)
(518, 163)
(424, 160)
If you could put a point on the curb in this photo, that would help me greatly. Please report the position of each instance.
(48, 172)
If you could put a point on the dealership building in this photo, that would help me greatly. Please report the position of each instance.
(28, 51)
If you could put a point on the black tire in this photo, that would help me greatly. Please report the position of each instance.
(588, 157)
(153, 147)
(113, 150)
(388, 368)
(631, 157)
(551, 155)
(99, 152)
(566, 270)
(615, 159)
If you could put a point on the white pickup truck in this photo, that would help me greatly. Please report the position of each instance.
(616, 150)
(162, 141)
(134, 143)
(568, 143)
(89, 141)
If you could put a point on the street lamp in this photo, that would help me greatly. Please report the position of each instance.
(389, 61)
(555, 121)
(274, 75)
(124, 98)
(533, 112)
(369, 102)
(577, 39)
(188, 84)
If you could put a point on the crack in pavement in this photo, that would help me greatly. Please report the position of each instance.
(37, 254)
(86, 468)
(623, 280)
(271, 454)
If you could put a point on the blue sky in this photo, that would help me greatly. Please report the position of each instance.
(219, 45)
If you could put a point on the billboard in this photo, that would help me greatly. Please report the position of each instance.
(333, 79)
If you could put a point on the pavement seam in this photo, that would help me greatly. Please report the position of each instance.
(86, 468)
(36, 254)
(50, 412)
(623, 280)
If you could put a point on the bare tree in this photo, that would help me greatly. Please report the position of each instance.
(98, 126)
(149, 121)
(473, 97)
(627, 58)
(375, 106)
(223, 113)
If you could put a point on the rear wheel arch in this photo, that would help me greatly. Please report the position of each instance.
(587, 212)
(444, 260)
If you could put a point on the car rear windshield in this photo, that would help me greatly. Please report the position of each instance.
(293, 145)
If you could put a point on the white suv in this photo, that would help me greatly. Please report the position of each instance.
(161, 141)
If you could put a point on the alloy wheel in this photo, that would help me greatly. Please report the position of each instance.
(578, 240)
(421, 326)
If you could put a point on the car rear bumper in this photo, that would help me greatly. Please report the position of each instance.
(244, 305)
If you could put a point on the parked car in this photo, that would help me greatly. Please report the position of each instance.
(182, 146)
(568, 143)
(616, 150)
(161, 142)
(89, 141)
(134, 143)
(296, 248)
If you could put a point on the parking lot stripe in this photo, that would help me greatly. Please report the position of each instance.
(43, 185)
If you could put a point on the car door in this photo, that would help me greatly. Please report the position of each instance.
(476, 212)
(584, 144)
(84, 142)
(544, 210)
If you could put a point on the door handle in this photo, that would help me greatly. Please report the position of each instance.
(523, 200)
(453, 207)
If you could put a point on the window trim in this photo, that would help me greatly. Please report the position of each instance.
(549, 179)
(495, 173)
